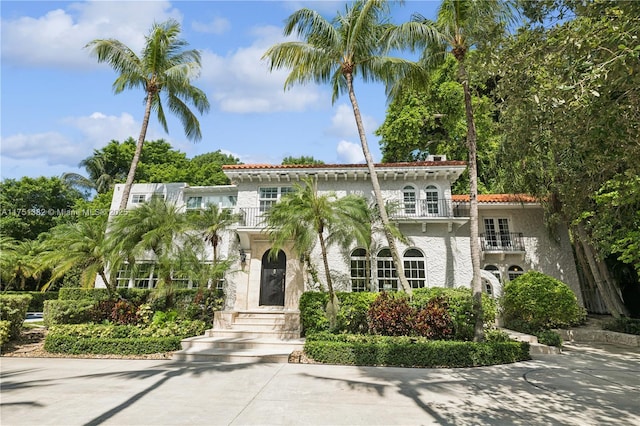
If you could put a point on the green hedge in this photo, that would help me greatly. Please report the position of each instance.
(37, 298)
(412, 352)
(67, 311)
(120, 339)
(623, 325)
(534, 302)
(13, 308)
(352, 315)
(5, 331)
(114, 346)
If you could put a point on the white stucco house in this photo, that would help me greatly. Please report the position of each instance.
(514, 238)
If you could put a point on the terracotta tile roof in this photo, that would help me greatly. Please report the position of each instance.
(340, 166)
(498, 198)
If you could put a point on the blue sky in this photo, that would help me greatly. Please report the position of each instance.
(57, 105)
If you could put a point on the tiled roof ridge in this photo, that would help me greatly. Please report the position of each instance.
(336, 166)
(498, 198)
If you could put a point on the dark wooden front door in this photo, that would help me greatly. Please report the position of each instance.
(272, 279)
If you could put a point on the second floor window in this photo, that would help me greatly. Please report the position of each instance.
(194, 203)
(138, 198)
(431, 193)
(269, 196)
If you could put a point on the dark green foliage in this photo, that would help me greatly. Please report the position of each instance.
(623, 325)
(127, 346)
(460, 308)
(549, 338)
(14, 309)
(352, 316)
(102, 310)
(5, 331)
(76, 293)
(68, 311)
(536, 302)
(412, 352)
(391, 315)
(37, 298)
(120, 339)
(312, 314)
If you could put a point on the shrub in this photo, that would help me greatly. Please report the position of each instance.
(352, 316)
(536, 302)
(13, 308)
(433, 321)
(5, 331)
(495, 335)
(102, 311)
(391, 315)
(37, 298)
(199, 304)
(412, 352)
(460, 308)
(124, 312)
(76, 293)
(120, 339)
(549, 338)
(623, 325)
(312, 313)
(67, 311)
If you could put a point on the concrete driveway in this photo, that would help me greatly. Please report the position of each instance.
(586, 385)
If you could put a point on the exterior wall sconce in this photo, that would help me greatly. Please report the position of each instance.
(243, 256)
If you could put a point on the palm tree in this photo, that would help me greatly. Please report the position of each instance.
(304, 217)
(156, 231)
(460, 25)
(99, 179)
(334, 52)
(18, 261)
(164, 67)
(214, 222)
(79, 245)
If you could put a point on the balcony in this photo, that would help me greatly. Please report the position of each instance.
(422, 209)
(510, 242)
(250, 217)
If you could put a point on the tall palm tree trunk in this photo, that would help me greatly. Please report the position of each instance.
(376, 187)
(323, 247)
(474, 234)
(138, 152)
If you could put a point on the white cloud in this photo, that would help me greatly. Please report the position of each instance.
(343, 123)
(54, 148)
(349, 152)
(58, 37)
(215, 26)
(241, 82)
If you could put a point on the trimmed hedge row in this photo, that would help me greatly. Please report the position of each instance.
(623, 325)
(67, 311)
(120, 339)
(5, 331)
(37, 298)
(102, 346)
(412, 352)
(13, 308)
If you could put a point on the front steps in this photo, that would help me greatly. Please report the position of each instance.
(247, 337)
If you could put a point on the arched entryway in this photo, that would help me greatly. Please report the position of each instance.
(272, 279)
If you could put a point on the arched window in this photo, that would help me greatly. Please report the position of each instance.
(494, 270)
(359, 270)
(431, 198)
(514, 272)
(387, 274)
(414, 268)
(409, 200)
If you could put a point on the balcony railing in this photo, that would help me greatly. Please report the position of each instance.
(501, 242)
(250, 217)
(420, 209)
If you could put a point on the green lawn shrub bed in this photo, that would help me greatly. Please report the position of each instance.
(623, 325)
(120, 339)
(353, 315)
(411, 351)
(5, 331)
(13, 308)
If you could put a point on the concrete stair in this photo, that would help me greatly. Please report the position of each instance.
(249, 337)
